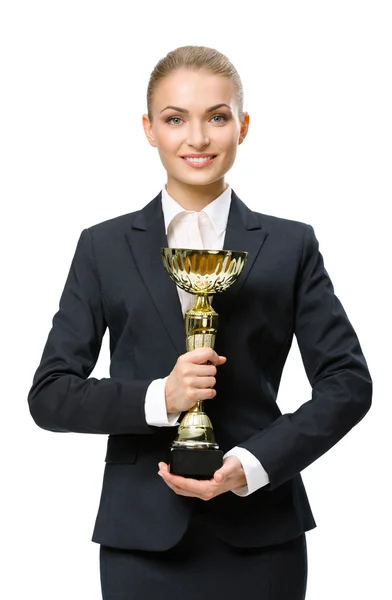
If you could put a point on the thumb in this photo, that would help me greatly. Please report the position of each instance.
(225, 471)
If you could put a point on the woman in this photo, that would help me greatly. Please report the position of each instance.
(242, 533)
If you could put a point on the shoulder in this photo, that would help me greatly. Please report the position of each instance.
(114, 226)
(288, 236)
(270, 224)
(274, 224)
(284, 230)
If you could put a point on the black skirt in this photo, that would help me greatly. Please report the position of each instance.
(202, 567)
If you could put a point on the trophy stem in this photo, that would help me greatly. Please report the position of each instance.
(202, 303)
(195, 429)
(198, 408)
(201, 323)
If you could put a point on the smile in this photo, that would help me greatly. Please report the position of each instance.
(198, 161)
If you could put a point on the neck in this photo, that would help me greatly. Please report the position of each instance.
(195, 197)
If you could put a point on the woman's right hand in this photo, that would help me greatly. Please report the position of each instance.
(192, 379)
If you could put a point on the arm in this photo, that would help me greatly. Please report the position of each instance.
(336, 369)
(63, 397)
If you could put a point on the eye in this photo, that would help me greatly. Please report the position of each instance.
(220, 117)
(172, 119)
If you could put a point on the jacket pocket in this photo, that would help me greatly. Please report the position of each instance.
(121, 449)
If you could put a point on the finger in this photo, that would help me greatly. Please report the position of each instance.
(196, 394)
(204, 370)
(178, 490)
(198, 488)
(202, 355)
(228, 469)
(220, 476)
(175, 480)
(204, 382)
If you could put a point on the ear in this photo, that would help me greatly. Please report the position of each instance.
(244, 128)
(147, 126)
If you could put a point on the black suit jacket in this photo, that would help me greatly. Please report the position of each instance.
(117, 280)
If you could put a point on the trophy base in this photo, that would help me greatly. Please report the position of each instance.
(195, 463)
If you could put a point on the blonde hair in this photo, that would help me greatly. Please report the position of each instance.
(195, 57)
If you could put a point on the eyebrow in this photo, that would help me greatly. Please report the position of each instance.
(186, 112)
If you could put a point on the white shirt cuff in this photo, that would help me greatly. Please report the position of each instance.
(256, 475)
(155, 406)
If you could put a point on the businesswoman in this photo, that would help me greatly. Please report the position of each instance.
(242, 533)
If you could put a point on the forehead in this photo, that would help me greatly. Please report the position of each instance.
(193, 89)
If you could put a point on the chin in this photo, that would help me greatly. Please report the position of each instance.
(202, 181)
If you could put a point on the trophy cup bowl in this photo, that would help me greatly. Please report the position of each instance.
(195, 453)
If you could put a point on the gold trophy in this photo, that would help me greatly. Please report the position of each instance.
(195, 453)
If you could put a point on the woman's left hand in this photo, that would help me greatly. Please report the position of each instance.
(229, 477)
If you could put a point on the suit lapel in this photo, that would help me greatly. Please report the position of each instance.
(147, 236)
(244, 232)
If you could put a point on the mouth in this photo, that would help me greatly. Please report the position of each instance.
(199, 161)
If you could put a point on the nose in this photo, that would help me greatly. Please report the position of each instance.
(197, 137)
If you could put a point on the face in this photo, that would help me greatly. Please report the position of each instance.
(197, 140)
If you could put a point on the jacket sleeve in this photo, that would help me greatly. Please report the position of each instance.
(63, 397)
(336, 369)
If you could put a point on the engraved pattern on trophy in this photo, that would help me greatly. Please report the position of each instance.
(203, 273)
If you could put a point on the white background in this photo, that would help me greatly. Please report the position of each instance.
(317, 81)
